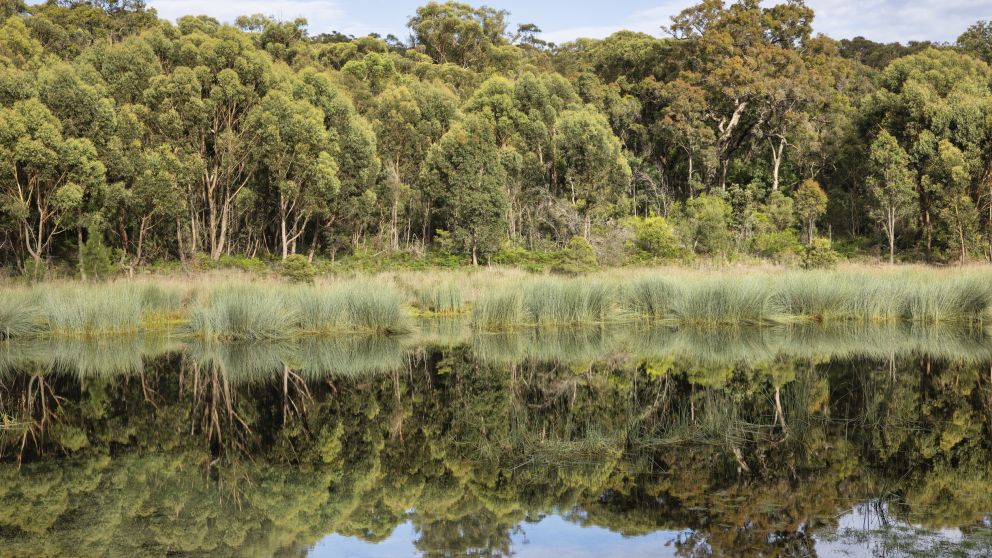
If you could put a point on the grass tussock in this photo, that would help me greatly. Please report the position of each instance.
(271, 310)
(544, 302)
(256, 312)
(748, 298)
(20, 314)
(442, 299)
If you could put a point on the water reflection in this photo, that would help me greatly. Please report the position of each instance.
(675, 442)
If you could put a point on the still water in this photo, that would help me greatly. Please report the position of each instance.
(541, 443)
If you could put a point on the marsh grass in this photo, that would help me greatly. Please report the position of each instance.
(443, 299)
(240, 309)
(256, 312)
(93, 311)
(547, 302)
(20, 314)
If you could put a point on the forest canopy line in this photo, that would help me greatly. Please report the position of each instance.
(127, 140)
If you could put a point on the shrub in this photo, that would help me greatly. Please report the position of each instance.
(704, 226)
(654, 238)
(777, 244)
(298, 268)
(819, 255)
(96, 259)
(35, 270)
(577, 257)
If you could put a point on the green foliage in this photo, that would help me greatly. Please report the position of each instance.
(297, 268)
(819, 254)
(577, 257)
(778, 245)
(811, 204)
(517, 256)
(257, 139)
(655, 239)
(704, 225)
(97, 260)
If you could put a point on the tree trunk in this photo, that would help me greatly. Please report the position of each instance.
(79, 242)
(777, 162)
(892, 235)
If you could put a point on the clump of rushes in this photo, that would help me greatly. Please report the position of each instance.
(649, 297)
(499, 309)
(257, 312)
(88, 311)
(320, 310)
(562, 301)
(243, 313)
(443, 298)
(551, 301)
(20, 314)
(957, 299)
(375, 308)
(726, 300)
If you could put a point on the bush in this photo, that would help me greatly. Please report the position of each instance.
(819, 254)
(297, 268)
(654, 238)
(777, 244)
(96, 259)
(577, 257)
(35, 270)
(517, 256)
(705, 225)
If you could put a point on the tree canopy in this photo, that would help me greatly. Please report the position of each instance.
(264, 139)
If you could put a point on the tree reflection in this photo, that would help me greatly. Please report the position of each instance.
(256, 450)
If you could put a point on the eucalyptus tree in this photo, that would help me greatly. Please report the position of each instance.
(407, 119)
(296, 155)
(936, 103)
(200, 108)
(890, 185)
(46, 175)
(464, 173)
(593, 166)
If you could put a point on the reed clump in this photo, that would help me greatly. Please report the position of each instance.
(20, 314)
(256, 312)
(549, 301)
(93, 311)
(243, 313)
(443, 298)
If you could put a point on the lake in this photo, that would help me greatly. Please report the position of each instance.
(849, 440)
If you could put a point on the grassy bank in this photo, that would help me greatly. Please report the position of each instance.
(249, 308)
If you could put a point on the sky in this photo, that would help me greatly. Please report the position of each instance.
(564, 20)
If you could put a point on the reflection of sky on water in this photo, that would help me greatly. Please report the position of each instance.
(552, 537)
(555, 537)
(858, 534)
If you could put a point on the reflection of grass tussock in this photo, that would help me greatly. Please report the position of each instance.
(312, 359)
(110, 356)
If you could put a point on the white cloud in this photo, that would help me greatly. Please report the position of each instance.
(322, 15)
(646, 21)
(879, 20)
(896, 20)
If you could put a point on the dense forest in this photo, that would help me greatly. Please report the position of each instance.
(738, 134)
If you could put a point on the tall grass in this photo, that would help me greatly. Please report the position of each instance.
(550, 301)
(254, 312)
(442, 298)
(243, 313)
(243, 310)
(93, 310)
(20, 314)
